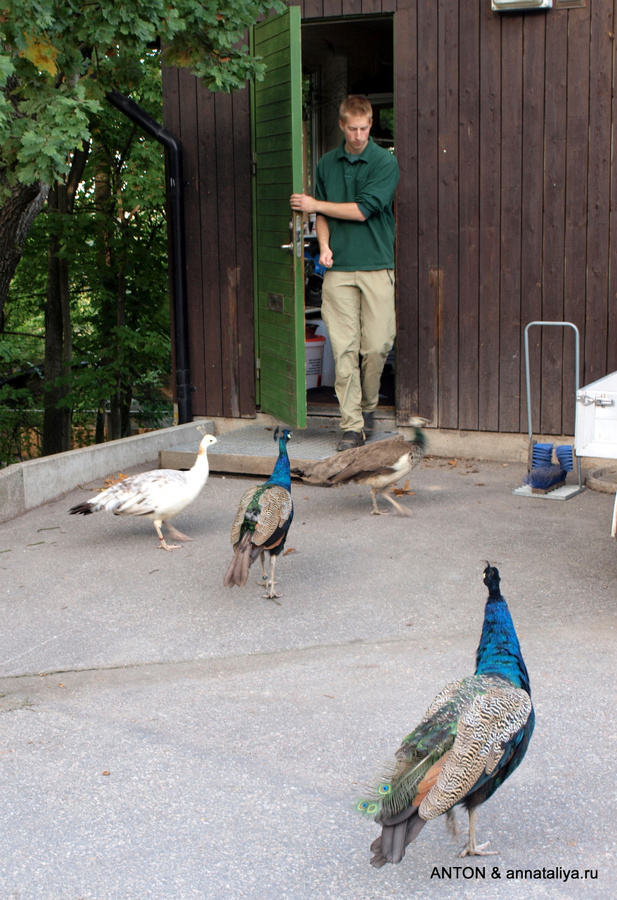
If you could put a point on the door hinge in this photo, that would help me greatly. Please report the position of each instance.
(254, 163)
(257, 368)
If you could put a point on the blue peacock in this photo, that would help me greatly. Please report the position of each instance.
(472, 737)
(262, 522)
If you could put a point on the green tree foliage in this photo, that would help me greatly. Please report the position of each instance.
(104, 243)
(59, 57)
(114, 246)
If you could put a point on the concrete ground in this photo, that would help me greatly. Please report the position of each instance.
(163, 737)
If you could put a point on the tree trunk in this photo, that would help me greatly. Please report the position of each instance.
(58, 337)
(121, 400)
(113, 278)
(56, 419)
(16, 218)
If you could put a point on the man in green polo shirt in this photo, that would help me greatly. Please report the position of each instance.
(354, 191)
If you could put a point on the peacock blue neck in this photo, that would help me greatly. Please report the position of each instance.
(281, 474)
(499, 651)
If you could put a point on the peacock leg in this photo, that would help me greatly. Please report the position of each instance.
(163, 545)
(177, 534)
(264, 577)
(388, 496)
(272, 594)
(473, 849)
(376, 511)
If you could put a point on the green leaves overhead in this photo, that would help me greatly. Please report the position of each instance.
(59, 57)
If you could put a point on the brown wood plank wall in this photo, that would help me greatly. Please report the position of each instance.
(489, 242)
(430, 282)
(448, 207)
(515, 194)
(469, 212)
(505, 213)
(509, 337)
(215, 134)
(531, 200)
(405, 47)
(599, 185)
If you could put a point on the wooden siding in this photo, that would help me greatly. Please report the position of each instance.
(510, 218)
(505, 213)
(214, 130)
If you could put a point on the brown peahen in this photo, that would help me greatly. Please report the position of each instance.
(379, 464)
(158, 495)
(472, 737)
(262, 522)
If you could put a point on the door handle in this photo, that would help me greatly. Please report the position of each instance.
(297, 243)
(291, 247)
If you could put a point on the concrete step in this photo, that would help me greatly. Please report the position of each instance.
(252, 451)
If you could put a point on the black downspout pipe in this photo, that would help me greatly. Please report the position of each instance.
(175, 194)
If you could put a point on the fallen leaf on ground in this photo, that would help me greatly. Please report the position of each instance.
(398, 492)
(114, 479)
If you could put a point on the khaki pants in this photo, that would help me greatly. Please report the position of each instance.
(358, 311)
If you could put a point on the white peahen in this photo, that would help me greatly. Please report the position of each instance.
(158, 495)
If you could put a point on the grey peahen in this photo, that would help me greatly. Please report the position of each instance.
(379, 464)
(262, 522)
(158, 495)
(472, 737)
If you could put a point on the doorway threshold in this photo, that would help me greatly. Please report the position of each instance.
(251, 450)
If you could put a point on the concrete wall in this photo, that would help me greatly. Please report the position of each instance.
(26, 485)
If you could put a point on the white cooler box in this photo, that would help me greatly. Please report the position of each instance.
(596, 418)
(596, 424)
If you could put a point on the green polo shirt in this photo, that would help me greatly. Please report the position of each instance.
(368, 179)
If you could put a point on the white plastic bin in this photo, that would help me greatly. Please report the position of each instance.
(327, 369)
(314, 360)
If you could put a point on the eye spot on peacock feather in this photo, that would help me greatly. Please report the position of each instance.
(367, 807)
(385, 789)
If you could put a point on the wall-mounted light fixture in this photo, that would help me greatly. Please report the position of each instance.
(507, 5)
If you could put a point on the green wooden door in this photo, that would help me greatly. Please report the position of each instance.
(279, 273)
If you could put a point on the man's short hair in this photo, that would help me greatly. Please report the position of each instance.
(355, 105)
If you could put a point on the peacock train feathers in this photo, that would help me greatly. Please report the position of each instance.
(471, 738)
(262, 522)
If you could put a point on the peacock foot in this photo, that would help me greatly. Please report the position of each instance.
(271, 594)
(165, 546)
(379, 512)
(478, 850)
